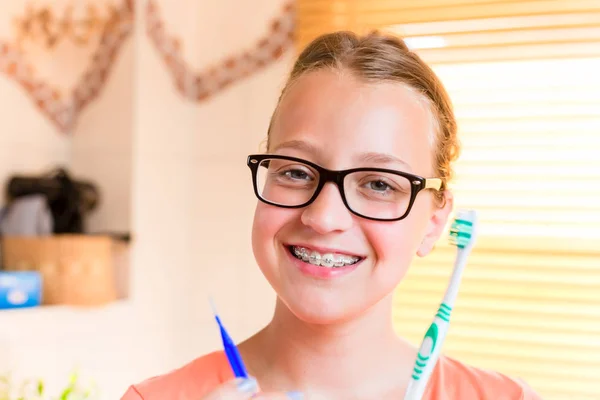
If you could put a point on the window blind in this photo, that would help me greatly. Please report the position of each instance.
(524, 77)
(319, 16)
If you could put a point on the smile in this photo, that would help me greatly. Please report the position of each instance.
(327, 260)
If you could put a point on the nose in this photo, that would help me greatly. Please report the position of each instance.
(328, 212)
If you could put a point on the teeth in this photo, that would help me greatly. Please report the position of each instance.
(301, 253)
(314, 258)
(327, 260)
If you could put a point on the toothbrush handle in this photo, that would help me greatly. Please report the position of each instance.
(233, 355)
(431, 345)
(456, 278)
(235, 360)
(428, 353)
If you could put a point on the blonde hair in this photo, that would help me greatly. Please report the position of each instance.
(378, 57)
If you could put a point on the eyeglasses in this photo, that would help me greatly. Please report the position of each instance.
(372, 193)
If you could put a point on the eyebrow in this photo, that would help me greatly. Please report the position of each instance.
(298, 145)
(367, 157)
(381, 158)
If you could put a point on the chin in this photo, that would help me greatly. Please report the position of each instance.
(321, 305)
(319, 316)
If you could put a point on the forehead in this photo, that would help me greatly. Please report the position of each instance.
(341, 117)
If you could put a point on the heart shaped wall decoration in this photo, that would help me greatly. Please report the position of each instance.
(63, 111)
(200, 86)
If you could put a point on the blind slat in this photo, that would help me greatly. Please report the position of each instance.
(517, 52)
(316, 17)
(571, 19)
(467, 317)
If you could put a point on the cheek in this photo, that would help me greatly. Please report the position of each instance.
(268, 222)
(395, 245)
(392, 243)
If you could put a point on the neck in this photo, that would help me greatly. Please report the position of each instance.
(329, 358)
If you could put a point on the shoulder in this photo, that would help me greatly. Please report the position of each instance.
(192, 380)
(455, 380)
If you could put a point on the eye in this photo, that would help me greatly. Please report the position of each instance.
(379, 186)
(296, 174)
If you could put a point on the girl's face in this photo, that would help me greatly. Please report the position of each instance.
(334, 120)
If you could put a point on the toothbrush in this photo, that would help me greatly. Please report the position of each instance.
(463, 232)
(231, 351)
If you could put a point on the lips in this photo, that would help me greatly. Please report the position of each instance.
(322, 263)
(321, 259)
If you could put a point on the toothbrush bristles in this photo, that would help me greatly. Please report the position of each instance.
(212, 305)
(461, 230)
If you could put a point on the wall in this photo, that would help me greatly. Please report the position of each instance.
(101, 146)
(173, 173)
(193, 199)
(28, 141)
(102, 137)
(51, 342)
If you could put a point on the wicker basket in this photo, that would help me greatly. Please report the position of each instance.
(75, 269)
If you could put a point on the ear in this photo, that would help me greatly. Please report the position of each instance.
(437, 223)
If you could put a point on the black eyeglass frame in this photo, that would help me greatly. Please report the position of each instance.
(418, 183)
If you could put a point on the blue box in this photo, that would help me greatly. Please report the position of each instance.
(20, 289)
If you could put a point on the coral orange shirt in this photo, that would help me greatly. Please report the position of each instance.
(451, 380)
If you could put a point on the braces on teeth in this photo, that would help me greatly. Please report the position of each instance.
(326, 260)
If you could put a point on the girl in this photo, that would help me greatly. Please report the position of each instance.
(353, 186)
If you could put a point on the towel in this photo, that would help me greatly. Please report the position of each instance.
(27, 216)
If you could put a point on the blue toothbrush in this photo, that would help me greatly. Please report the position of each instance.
(462, 234)
(233, 355)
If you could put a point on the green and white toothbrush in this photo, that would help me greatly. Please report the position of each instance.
(462, 234)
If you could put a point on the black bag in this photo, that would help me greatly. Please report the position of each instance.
(69, 200)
